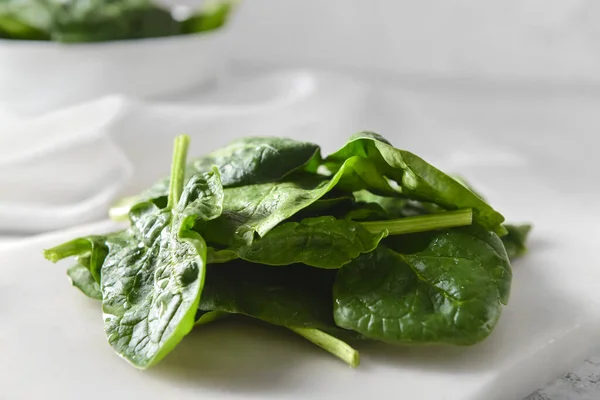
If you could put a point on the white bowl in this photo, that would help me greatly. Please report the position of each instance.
(40, 76)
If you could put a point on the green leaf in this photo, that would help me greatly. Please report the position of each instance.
(152, 277)
(326, 242)
(101, 20)
(82, 279)
(213, 16)
(436, 287)
(94, 247)
(371, 206)
(245, 161)
(151, 291)
(386, 170)
(515, 240)
(256, 209)
(323, 242)
(24, 20)
(106, 21)
(295, 295)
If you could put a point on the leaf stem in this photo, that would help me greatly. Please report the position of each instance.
(422, 223)
(335, 346)
(180, 148)
(68, 249)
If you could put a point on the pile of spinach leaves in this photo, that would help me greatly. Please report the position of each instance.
(74, 21)
(369, 243)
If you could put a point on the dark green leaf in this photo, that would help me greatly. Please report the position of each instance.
(153, 273)
(438, 287)
(515, 240)
(386, 207)
(256, 209)
(95, 248)
(210, 18)
(245, 161)
(323, 242)
(100, 20)
(82, 279)
(128, 20)
(151, 291)
(389, 171)
(295, 295)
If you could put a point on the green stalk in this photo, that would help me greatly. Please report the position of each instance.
(422, 223)
(178, 170)
(335, 346)
(68, 249)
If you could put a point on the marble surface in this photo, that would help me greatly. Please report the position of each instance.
(583, 383)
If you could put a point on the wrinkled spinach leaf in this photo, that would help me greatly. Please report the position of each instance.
(323, 242)
(83, 280)
(253, 160)
(385, 230)
(410, 177)
(153, 273)
(436, 287)
(256, 209)
(294, 295)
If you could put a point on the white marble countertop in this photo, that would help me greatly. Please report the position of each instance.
(583, 383)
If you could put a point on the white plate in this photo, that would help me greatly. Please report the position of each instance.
(52, 343)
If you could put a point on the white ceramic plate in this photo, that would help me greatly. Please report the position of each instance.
(52, 343)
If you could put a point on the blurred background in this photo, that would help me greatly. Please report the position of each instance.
(526, 41)
(92, 92)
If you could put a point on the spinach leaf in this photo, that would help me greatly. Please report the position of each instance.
(253, 160)
(82, 279)
(213, 16)
(153, 273)
(436, 287)
(95, 249)
(101, 20)
(296, 297)
(323, 242)
(387, 207)
(326, 242)
(409, 176)
(25, 20)
(256, 209)
(104, 20)
(374, 220)
(515, 240)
